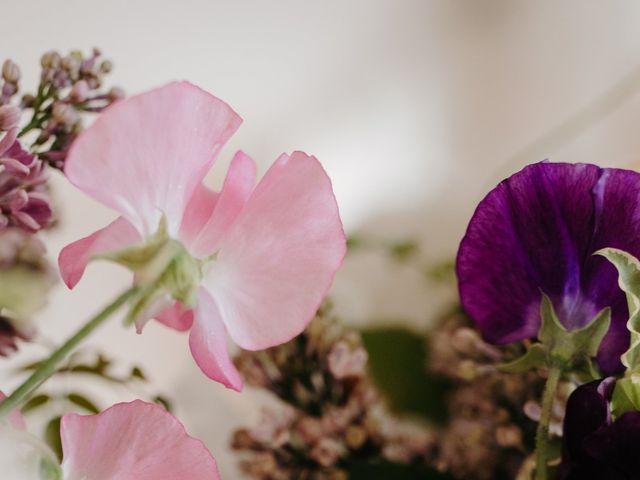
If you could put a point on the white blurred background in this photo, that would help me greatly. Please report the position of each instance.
(415, 107)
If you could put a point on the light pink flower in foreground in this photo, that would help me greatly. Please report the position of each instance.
(128, 441)
(268, 254)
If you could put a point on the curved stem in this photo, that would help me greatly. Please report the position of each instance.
(48, 368)
(542, 435)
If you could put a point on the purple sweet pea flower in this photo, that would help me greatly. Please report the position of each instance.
(535, 233)
(594, 445)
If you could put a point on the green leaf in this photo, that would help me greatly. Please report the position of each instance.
(160, 400)
(626, 396)
(136, 372)
(83, 402)
(35, 402)
(52, 436)
(397, 362)
(403, 251)
(535, 357)
(628, 268)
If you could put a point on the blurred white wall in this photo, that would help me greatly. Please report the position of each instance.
(416, 108)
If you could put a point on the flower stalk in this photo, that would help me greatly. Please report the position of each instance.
(542, 434)
(48, 368)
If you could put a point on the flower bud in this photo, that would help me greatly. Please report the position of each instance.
(116, 93)
(10, 71)
(50, 60)
(64, 113)
(9, 117)
(79, 92)
(106, 66)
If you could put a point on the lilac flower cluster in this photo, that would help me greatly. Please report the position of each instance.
(330, 414)
(69, 87)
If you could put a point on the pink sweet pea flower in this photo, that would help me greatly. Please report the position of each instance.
(128, 441)
(269, 253)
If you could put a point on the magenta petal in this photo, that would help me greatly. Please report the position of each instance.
(177, 317)
(74, 257)
(537, 232)
(278, 259)
(235, 192)
(208, 342)
(146, 155)
(132, 441)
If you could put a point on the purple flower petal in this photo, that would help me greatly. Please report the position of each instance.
(594, 446)
(537, 232)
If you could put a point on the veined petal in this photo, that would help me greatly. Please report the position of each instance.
(198, 212)
(279, 257)
(234, 195)
(537, 232)
(146, 155)
(208, 342)
(132, 441)
(74, 257)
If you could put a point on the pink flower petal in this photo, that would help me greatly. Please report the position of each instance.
(235, 192)
(16, 420)
(74, 257)
(198, 212)
(146, 155)
(279, 258)
(132, 441)
(208, 342)
(177, 317)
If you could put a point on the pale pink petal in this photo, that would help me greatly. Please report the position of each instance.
(208, 342)
(198, 212)
(279, 258)
(74, 257)
(132, 441)
(235, 192)
(145, 155)
(16, 420)
(177, 317)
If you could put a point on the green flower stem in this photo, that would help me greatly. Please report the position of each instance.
(542, 435)
(48, 368)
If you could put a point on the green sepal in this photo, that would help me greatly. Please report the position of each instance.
(628, 268)
(571, 348)
(161, 266)
(535, 357)
(626, 396)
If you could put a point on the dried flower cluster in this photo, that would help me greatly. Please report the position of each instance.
(330, 414)
(493, 415)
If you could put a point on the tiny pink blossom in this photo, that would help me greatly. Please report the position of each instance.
(270, 252)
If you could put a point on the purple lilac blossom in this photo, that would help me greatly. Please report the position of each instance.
(537, 232)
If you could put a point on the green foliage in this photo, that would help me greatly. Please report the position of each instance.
(629, 281)
(397, 362)
(83, 402)
(626, 397)
(52, 436)
(35, 402)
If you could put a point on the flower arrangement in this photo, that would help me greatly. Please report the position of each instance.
(533, 374)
